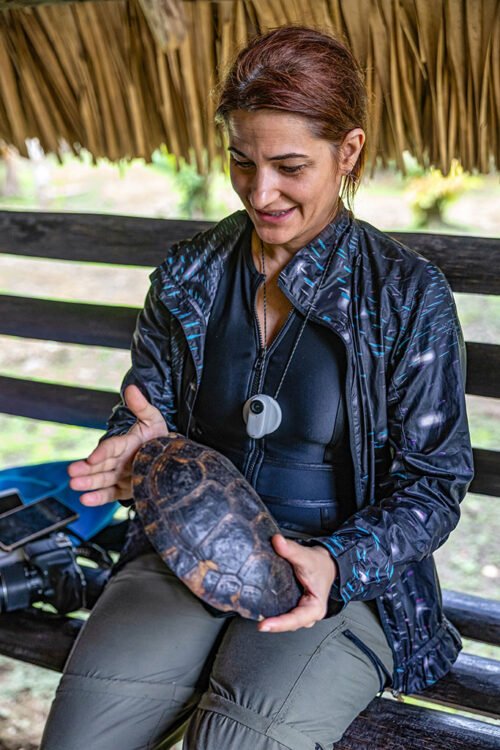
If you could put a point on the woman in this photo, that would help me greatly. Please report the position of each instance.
(356, 339)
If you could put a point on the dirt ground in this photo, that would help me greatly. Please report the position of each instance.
(26, 693)
(21, 721)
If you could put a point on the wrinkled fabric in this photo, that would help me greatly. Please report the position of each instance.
(408, 430)
(218, 683)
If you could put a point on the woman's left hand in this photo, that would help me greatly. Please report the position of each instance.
(316, 571)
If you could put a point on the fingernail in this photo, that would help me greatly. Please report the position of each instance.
(265, 629)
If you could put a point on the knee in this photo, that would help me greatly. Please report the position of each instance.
(100, 713)
(220, 723)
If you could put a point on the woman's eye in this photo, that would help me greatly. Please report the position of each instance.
(292, 170)
(243, 164)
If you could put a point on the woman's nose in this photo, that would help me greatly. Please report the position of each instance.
(263, 190)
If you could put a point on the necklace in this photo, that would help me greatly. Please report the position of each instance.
(262, 413)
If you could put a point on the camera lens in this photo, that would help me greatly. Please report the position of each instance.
(257, 407)
(18, 587)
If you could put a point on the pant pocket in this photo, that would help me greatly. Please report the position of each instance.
(383, 675)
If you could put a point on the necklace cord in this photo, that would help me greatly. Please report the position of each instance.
(264, 343)
(304, 322)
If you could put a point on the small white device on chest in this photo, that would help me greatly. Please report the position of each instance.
(262, 413)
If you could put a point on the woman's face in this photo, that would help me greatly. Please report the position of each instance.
(287, 179)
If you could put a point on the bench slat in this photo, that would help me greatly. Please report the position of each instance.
(466, 261)
(487, 479)
(112, 326)
(69, 322)
(474, 616)
(94, 238)
(483, 366)
(83, 407)
(456, 256)
(38, 637)
(391, 725)
(473, 683)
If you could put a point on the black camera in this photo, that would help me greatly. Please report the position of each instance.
(47, 570)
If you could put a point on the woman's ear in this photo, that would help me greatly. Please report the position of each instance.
(350, 149)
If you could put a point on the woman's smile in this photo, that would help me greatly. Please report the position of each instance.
(286, 177)
(275, 217)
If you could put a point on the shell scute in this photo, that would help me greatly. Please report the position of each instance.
(194, 521)
(257, 569)
(217, 470)
(228, 587)
(230, 543)
(174, 477)
(210, 580)
(250, 597)
(185, 449)
(243, 497)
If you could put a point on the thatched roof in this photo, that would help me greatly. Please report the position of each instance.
(101, 75)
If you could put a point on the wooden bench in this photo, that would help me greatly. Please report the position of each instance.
(473, 685)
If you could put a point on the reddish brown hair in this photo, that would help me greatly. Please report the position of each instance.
(302, 71)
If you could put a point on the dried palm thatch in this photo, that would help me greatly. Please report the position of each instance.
(95, 74)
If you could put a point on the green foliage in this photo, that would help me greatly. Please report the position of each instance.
(430, 192)
(28, 441)
(163, 161)
(193, 187)
(200, 197)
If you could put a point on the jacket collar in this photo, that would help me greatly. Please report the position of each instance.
(187, 280)
(334, 247)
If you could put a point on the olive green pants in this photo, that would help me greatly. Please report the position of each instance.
(152, 664)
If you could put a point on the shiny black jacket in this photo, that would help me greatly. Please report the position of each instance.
(409, 436)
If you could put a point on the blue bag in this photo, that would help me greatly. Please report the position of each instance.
(40, 480)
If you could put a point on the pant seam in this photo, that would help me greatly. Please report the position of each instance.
(217, 704)
(288, 701)
(153, 743)
(354, 625)
(64, 689)
(158, 692)
(127, 681)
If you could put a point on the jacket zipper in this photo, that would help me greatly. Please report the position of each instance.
(254, 389)
(350, 418)
(194, 386)
(256, 450)
(255, 443)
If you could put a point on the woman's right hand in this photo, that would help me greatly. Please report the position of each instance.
(106, 474)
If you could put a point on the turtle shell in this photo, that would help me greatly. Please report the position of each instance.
(211, 528)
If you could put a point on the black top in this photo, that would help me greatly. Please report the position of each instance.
(302, 470)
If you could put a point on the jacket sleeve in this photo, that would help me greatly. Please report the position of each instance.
(151, 367)
(431, 454)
